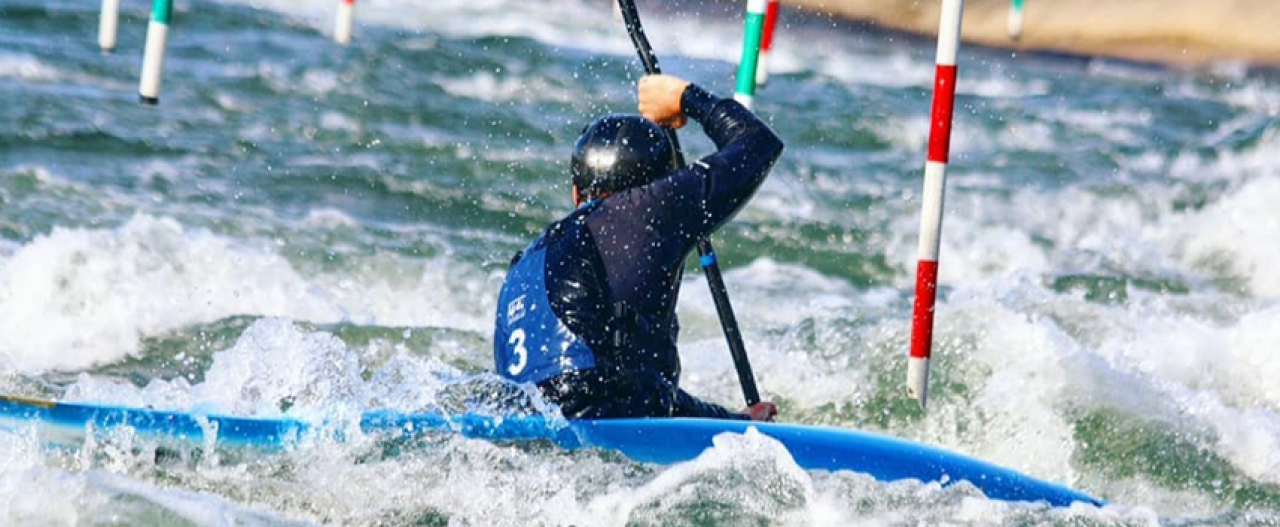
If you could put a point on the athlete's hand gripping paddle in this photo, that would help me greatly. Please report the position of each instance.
(659, 97)
(707, 254)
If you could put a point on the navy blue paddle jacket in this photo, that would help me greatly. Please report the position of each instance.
(588, 309)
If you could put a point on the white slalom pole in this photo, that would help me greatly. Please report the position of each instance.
(153, 54)
(342, 25)
(766, 42)
(1015, 19)
(745, 92)
(108, 23)
(935, 174)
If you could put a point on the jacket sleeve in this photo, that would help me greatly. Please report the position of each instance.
(747, 150)
(686, 405)
(658, 223)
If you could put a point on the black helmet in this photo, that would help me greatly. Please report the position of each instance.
(618, 152)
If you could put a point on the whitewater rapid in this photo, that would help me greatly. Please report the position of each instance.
(330, 227)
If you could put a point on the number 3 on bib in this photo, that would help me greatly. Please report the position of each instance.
(522, 354)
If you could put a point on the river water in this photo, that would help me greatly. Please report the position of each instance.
(310, 230)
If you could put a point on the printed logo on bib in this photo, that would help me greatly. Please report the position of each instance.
(515, 310)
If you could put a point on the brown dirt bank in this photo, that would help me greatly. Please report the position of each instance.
(1179, 32)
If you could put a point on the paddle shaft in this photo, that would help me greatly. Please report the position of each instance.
(706, 253)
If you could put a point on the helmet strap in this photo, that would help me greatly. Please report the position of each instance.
(579, 199)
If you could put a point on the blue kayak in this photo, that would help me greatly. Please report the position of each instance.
(663, 441)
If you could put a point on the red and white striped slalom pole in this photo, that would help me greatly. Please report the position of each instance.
(766, 42)
(935, 176)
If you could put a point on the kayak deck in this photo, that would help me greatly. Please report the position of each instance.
(658, 440)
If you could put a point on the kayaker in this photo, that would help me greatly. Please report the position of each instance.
(588, 310)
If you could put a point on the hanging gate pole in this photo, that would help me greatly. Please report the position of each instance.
(935, 176)
(153, 53)
(1015, 19)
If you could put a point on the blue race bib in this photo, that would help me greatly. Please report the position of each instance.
(530, 343)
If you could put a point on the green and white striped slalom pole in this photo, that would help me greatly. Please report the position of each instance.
(766, 42)
(153, 55)
(746, 90)
(342, 24)
(108, 23)
(1015, 19)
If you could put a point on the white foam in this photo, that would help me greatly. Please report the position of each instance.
(230, 103)
(1231, 360)
(1102, 67)
(1255, 95)
(1215, 377)
(41, 174)
(78, 297)
(1154, 499)
(28, 68)
(1019, 369)
(775, 305)
(996, 86)
(196, 507)
(1237, 232)
(1232, 166)
(911, 133)
(1057, 231)
(320, 81)
(314, 82)
(572, 23)
(1248, 438)
(276, 368)
(1113, 125)
(487, 86)
(786, 492)
(895, 69)
(329, 218)
(33, 493)
(1028, 135)
(101, 480)
(339, 122)
(1148, 357)
(779, 294)
(273, 362)
(1200, 360)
